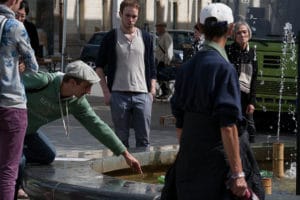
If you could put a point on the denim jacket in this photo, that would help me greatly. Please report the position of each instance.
(14, 46)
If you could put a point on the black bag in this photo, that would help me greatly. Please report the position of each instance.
(169, 191)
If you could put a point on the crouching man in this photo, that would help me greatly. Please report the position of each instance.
(53, 96)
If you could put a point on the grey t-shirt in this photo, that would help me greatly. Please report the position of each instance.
(130, 72)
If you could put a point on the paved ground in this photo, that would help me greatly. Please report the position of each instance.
(80, 144)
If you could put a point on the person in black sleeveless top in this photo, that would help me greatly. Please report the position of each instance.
(207, 108)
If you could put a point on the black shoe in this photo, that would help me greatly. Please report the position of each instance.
(163, 96)
(166, 96)
(160, 96)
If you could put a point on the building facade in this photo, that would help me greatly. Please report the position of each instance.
(84, 17)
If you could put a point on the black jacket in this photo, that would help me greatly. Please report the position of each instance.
(107, 57)
(34, 38)
(237, 56)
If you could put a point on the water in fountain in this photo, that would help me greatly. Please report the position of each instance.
(291, 173)
(287, 45)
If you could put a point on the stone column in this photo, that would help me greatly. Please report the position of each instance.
(107, 20)
(160, 11)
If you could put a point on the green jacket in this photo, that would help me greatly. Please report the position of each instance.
(43, 93)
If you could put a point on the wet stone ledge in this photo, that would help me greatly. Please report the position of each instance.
(82, 179)
(79, 175)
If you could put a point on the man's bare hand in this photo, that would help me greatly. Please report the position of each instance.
(239, 187)
(132, 162)
(107, 97)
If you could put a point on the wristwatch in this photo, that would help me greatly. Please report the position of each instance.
(238, 175)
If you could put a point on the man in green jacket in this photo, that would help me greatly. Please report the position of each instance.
(54, 95)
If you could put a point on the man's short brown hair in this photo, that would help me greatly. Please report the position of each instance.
(129, 3)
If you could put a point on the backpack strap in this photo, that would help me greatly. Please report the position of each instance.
(161, 49)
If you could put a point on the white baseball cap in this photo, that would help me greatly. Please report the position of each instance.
(222, 12)
(83, 71)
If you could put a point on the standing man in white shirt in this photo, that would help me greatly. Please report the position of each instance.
(128, 54)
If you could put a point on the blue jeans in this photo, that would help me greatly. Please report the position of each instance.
(129, 109)
(38, 149)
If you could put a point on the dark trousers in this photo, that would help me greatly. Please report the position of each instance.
(250, 166)
(161, 79)
(251, 127)
(37, 149)
(165, 88)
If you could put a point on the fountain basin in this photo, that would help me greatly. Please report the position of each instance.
(84, 179)
(67, 179)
